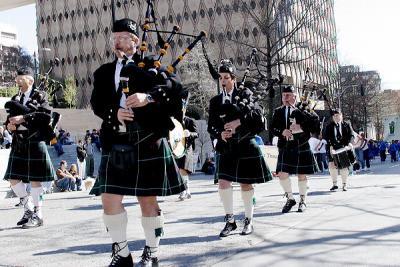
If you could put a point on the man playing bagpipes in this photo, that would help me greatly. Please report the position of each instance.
(293, 125)
(186, 162)
(137, 160)
(340, 151)
(29, 122)
(238, 159)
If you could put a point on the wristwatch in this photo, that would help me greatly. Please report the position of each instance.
(149, 98)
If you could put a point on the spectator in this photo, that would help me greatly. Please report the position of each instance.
(96, 139)
(89, 147)
(5, 138)
(393, 151)
(88, 134)
(58, 146)
(67, 140)
(208, 167)
(65, 180)
(382, 150)
(73, 170)
(81, 156)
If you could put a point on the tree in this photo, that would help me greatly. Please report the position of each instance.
(360, 97)
(10, 59)
(69, 92)
(197, 79)
(284, 25)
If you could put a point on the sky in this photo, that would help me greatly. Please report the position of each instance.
(367, 31)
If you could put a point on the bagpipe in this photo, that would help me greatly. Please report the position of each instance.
(243, 105)
(159, 82)
(36, 103)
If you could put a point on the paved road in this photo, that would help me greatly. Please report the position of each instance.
(355, 228)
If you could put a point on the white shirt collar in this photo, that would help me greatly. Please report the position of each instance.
(121, 59)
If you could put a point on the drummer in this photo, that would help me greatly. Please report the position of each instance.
(338, 135)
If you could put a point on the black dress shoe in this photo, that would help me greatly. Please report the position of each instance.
(229, 226)
(344, 187)
(288, 206)
(118, 260)
(248, 227)
(20, 202)
(146, 260)
(302, 207)
(33, 222)
(334, 188)
(25, 218)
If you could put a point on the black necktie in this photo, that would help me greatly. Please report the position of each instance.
(288, 118)
(22, 99)
(338, 134)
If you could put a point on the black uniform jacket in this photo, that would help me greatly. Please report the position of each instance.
(309, 123)
(332, 140)
(154, 117)
(252, 120)
(36, 112)
(190, 125)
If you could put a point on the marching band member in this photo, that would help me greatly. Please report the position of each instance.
(239, 158)
(293, 128)
(144, 168)
(186, 162)
(29, 160)
(338, 135)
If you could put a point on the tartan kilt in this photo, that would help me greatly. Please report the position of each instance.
(30, 162)
(152, 172)
(186, 162)
(245, 166)
(297, 160)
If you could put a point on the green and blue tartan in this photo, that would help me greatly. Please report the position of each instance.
(245, 165)
(30, 163)
(153, 172)
(297, 159)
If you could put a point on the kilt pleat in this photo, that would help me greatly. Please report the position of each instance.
(30, 163)
(246, 165)
(297, 160)
(152, 172)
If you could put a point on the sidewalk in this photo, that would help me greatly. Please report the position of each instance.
(355, 228)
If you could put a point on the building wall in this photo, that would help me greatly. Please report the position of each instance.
(78, 33)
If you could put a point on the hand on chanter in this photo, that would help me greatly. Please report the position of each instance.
(137, 100)
(125, 115)
(17, 120)
(226, 135)
(231, 126)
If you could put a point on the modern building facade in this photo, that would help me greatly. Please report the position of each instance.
(78, 33)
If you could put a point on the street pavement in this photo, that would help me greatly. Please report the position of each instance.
(359, 227)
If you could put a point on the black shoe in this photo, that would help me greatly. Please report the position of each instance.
(118, 260)
(302, 207)
(33, 222)
(248, 227)
(20, 202)
(334, 188)
(146, 260)
(229, 227)
(288, 206)
(344, 187)
(27, 214)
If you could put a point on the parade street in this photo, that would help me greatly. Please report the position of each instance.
(359, 227)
